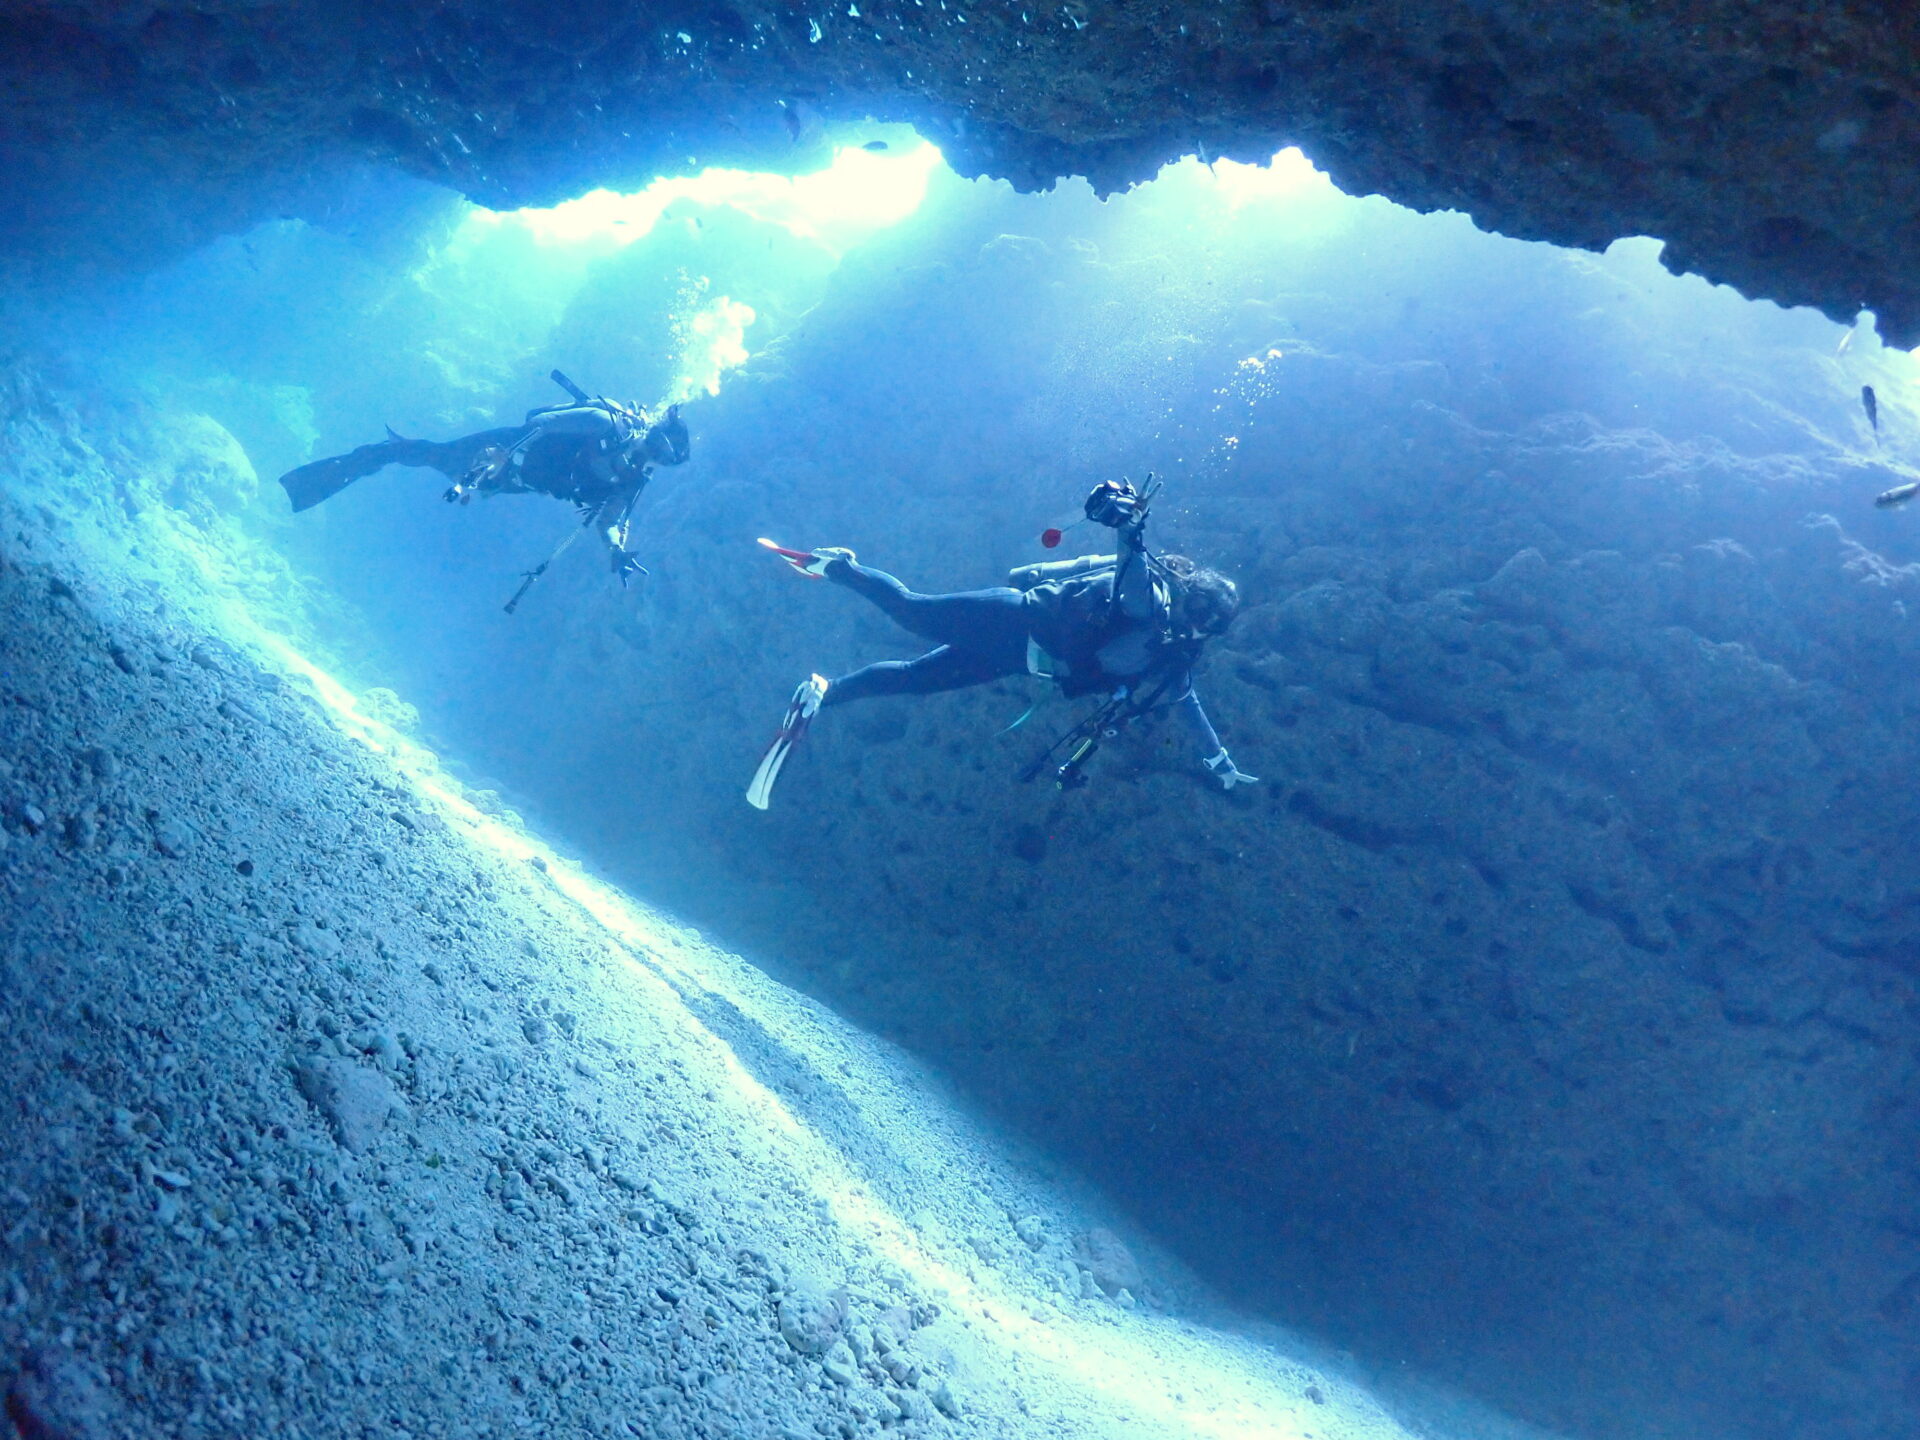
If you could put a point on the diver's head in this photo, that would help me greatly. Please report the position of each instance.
(667, 443)
(1204, 601)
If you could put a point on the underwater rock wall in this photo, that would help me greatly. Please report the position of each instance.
(333, 1108)
(1547, 1016)
(1767, 143)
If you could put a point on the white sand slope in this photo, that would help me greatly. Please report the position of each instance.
(336, 1107)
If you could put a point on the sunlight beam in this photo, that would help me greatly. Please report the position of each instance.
(860, 192)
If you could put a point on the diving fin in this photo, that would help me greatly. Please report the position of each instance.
(308, 485)
(810, 563)
(800, 712)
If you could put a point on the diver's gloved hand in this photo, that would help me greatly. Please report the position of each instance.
(1115, 504)
(483, 475)
(626, 565)
(1226, 773)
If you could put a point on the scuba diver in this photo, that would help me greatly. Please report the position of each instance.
(595, 452)
(1129, 626)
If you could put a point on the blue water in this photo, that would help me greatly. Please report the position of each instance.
(1544, 1020)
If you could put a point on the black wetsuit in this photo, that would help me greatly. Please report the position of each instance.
(594, 455)
(584, 453)
(1072, 629)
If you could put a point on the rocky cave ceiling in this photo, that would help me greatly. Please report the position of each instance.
(1769, 142)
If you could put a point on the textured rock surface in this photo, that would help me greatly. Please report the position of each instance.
(1768, 142)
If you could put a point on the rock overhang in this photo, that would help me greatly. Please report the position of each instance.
(1766, 144)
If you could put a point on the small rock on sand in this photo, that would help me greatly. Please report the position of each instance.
(948, 1401)
(1108, 1260)
(320, 944)
(840, 1365)
(356, 1101)
(174, 838)
(809, 1320)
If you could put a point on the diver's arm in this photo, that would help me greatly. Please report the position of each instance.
(613, 518)
(1213, 753)
(1133, 591)
(616, 511)
(1194, 717)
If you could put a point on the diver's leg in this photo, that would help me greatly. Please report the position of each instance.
(308, 485)
(984, 621)
(943, 669)
(452, 458)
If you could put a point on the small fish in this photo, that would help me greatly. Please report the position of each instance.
(1871, 404)
(874, 145)
(1899, 495)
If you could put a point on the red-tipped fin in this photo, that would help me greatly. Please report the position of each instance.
(798, 559)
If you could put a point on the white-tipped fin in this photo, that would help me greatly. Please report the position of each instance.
(800, 712)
